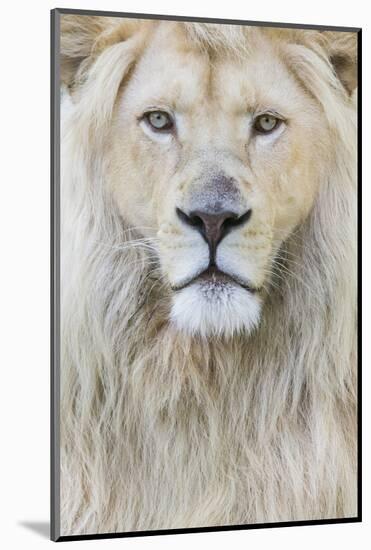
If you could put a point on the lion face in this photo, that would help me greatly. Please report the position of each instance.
(217, 159)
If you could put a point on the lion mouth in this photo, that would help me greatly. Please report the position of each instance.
(213, 276)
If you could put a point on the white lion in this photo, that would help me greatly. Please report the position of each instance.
(208, 371)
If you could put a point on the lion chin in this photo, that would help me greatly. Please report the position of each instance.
(215, 308)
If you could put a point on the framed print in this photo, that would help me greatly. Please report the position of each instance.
(204, 274)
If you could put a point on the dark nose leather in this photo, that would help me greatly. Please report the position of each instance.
(213, 227)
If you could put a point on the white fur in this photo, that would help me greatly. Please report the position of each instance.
(160, 429)
(212, 309)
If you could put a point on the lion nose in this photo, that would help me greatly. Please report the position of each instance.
(213, 227)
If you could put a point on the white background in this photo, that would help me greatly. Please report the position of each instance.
(24, 270)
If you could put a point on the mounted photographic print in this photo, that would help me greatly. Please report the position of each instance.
(204, 275)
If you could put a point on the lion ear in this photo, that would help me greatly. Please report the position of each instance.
(83, 37)
(342, 51)
(78, 35)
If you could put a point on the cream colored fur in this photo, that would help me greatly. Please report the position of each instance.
(161, 429)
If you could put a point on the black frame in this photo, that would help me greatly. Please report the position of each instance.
(55, 276)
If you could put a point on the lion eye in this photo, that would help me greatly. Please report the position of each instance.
(266, 123)
(159, 120)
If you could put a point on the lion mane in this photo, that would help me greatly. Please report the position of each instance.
(163, 430)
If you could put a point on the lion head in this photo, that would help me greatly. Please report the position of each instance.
(214, 153)
(208, 181)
